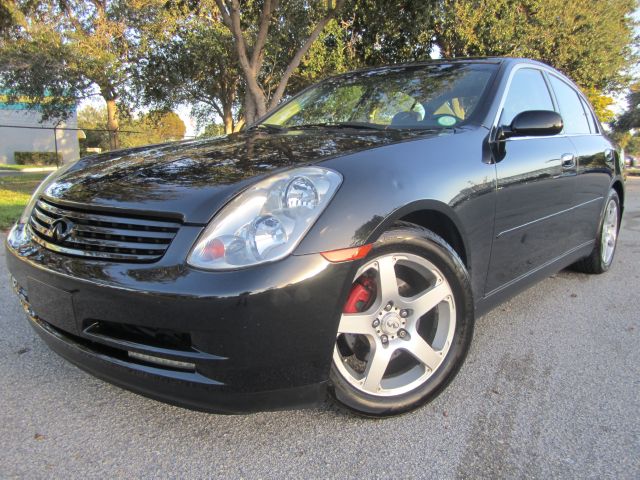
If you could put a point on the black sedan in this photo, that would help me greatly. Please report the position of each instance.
(344, 244)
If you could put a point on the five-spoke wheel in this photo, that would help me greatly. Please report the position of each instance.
(407, 328)
(406, 324)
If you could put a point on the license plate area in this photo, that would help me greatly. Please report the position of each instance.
(53, 305)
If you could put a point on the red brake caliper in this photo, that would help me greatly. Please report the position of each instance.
(362, 292)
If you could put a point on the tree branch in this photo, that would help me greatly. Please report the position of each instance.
(265, 20)
(250, 73)
(216, 107)
(297, 58)
(226, 19)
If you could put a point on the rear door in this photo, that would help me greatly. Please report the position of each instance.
(595, 159)
(536, 182)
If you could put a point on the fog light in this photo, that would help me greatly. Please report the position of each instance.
(165, 362)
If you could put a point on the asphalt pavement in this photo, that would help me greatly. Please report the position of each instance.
(551, 388)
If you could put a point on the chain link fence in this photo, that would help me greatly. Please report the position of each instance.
(65, 144)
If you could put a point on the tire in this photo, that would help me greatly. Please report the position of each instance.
(601, 258)
(424, 347)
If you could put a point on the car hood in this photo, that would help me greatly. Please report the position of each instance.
(191, 180)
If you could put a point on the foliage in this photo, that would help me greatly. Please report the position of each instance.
(629, 142)
(270, 40)
(601, 104)
(630, 119)
(15, 192)
(18, 168)
(198, 62)
(63, 50)
(329, 55)
(92, 120)
(588, 40)
(633, 146)
(212, 130)
(153, 127)
(193, 66)
(37, 158)
(235, 59)
(387, 32)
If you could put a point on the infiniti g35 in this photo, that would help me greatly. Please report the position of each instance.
(343, 244)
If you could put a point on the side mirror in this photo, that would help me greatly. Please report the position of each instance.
(532, 123)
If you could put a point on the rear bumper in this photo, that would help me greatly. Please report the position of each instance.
(231, 342)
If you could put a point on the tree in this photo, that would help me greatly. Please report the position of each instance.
(92, 120)
(65, 50)
(197, 62)
(588, 40)
(152, 127)
(391, 31)
(212, 130)
(163, 126)
(630, 119)
(235, 59)
(301, 21)
(633, 146)
(193, 65)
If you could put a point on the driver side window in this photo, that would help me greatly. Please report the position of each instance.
(528, 91)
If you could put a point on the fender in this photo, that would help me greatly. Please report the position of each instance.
(418, 206)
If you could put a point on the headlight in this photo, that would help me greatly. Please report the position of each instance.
(267, 221)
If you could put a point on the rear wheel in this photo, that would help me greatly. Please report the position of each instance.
(601, 257)
(406, 326)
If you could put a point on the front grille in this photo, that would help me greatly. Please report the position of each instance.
(82, 232)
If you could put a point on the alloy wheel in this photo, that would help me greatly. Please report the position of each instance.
(609, 231)
(403, 334)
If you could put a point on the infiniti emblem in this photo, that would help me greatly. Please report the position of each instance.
(61, 229)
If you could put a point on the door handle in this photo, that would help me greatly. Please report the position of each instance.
(568, 160)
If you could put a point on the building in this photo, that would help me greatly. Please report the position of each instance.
(22, 131)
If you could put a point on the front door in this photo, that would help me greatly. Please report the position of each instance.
(535, 190)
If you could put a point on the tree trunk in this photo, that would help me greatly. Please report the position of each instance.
(249, 109)
(239, 124)
(255, 102)
(112, 124)
(228, 120)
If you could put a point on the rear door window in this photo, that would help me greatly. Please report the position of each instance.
(573, 115)
(592, 122)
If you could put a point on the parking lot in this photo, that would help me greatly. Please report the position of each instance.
(551, 388)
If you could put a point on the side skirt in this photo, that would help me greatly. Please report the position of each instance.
(517, 285)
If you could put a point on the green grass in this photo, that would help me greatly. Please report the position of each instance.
(4, 166)
(15, 192)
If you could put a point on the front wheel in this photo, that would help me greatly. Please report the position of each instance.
(406, 326)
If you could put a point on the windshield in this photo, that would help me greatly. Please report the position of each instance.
(431, 96)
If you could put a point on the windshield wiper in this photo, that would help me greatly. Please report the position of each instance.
(355, 125)
(268, 127)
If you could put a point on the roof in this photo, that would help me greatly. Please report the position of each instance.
(436, 61)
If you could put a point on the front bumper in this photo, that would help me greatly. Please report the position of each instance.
(229, 342)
